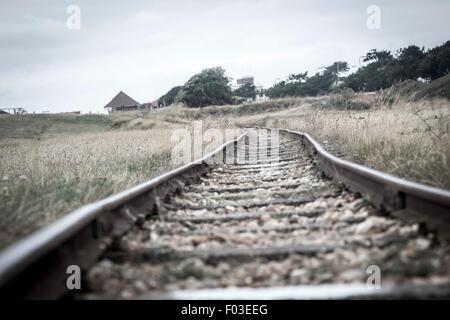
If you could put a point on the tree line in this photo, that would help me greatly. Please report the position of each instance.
(383, 68)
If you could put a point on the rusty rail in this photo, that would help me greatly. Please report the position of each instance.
(403, 199)
(35, 267)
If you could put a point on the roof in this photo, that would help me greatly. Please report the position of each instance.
(122, 100)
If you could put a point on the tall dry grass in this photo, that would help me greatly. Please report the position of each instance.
(41, 180)
(407, 139)
(45, 177)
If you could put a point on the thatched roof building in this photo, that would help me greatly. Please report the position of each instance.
(122, 102)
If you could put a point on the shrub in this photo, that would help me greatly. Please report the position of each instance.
(209, 87)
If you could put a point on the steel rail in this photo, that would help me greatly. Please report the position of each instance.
(46, 253)
(402, 198)
(311, 292)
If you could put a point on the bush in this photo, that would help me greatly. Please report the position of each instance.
(238, 100)
(209, 87)
(246, 91)
(345, 99)
(169, 97)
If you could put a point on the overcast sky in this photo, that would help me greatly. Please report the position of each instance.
(146, 47)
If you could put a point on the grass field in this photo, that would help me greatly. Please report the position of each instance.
(410, 140)
(52, 164)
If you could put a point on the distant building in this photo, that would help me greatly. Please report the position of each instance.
(242, 81)
(151, 105)
(122, 102)
(422, 80)
(245, 80)
(147, 106)
(260, 91)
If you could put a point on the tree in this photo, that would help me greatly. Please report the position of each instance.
(406, 64)
(169, 97)
(337, 67)
(299, 77)
(280, 89)
(384, 69)
(247, 90)
(355, 81)
(383, 56)
(436, 62)
(209, 87)
(318, 84)
(302, 85)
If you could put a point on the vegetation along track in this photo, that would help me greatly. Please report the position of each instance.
(270, 223)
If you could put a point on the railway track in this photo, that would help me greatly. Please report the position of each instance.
(269, 224)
